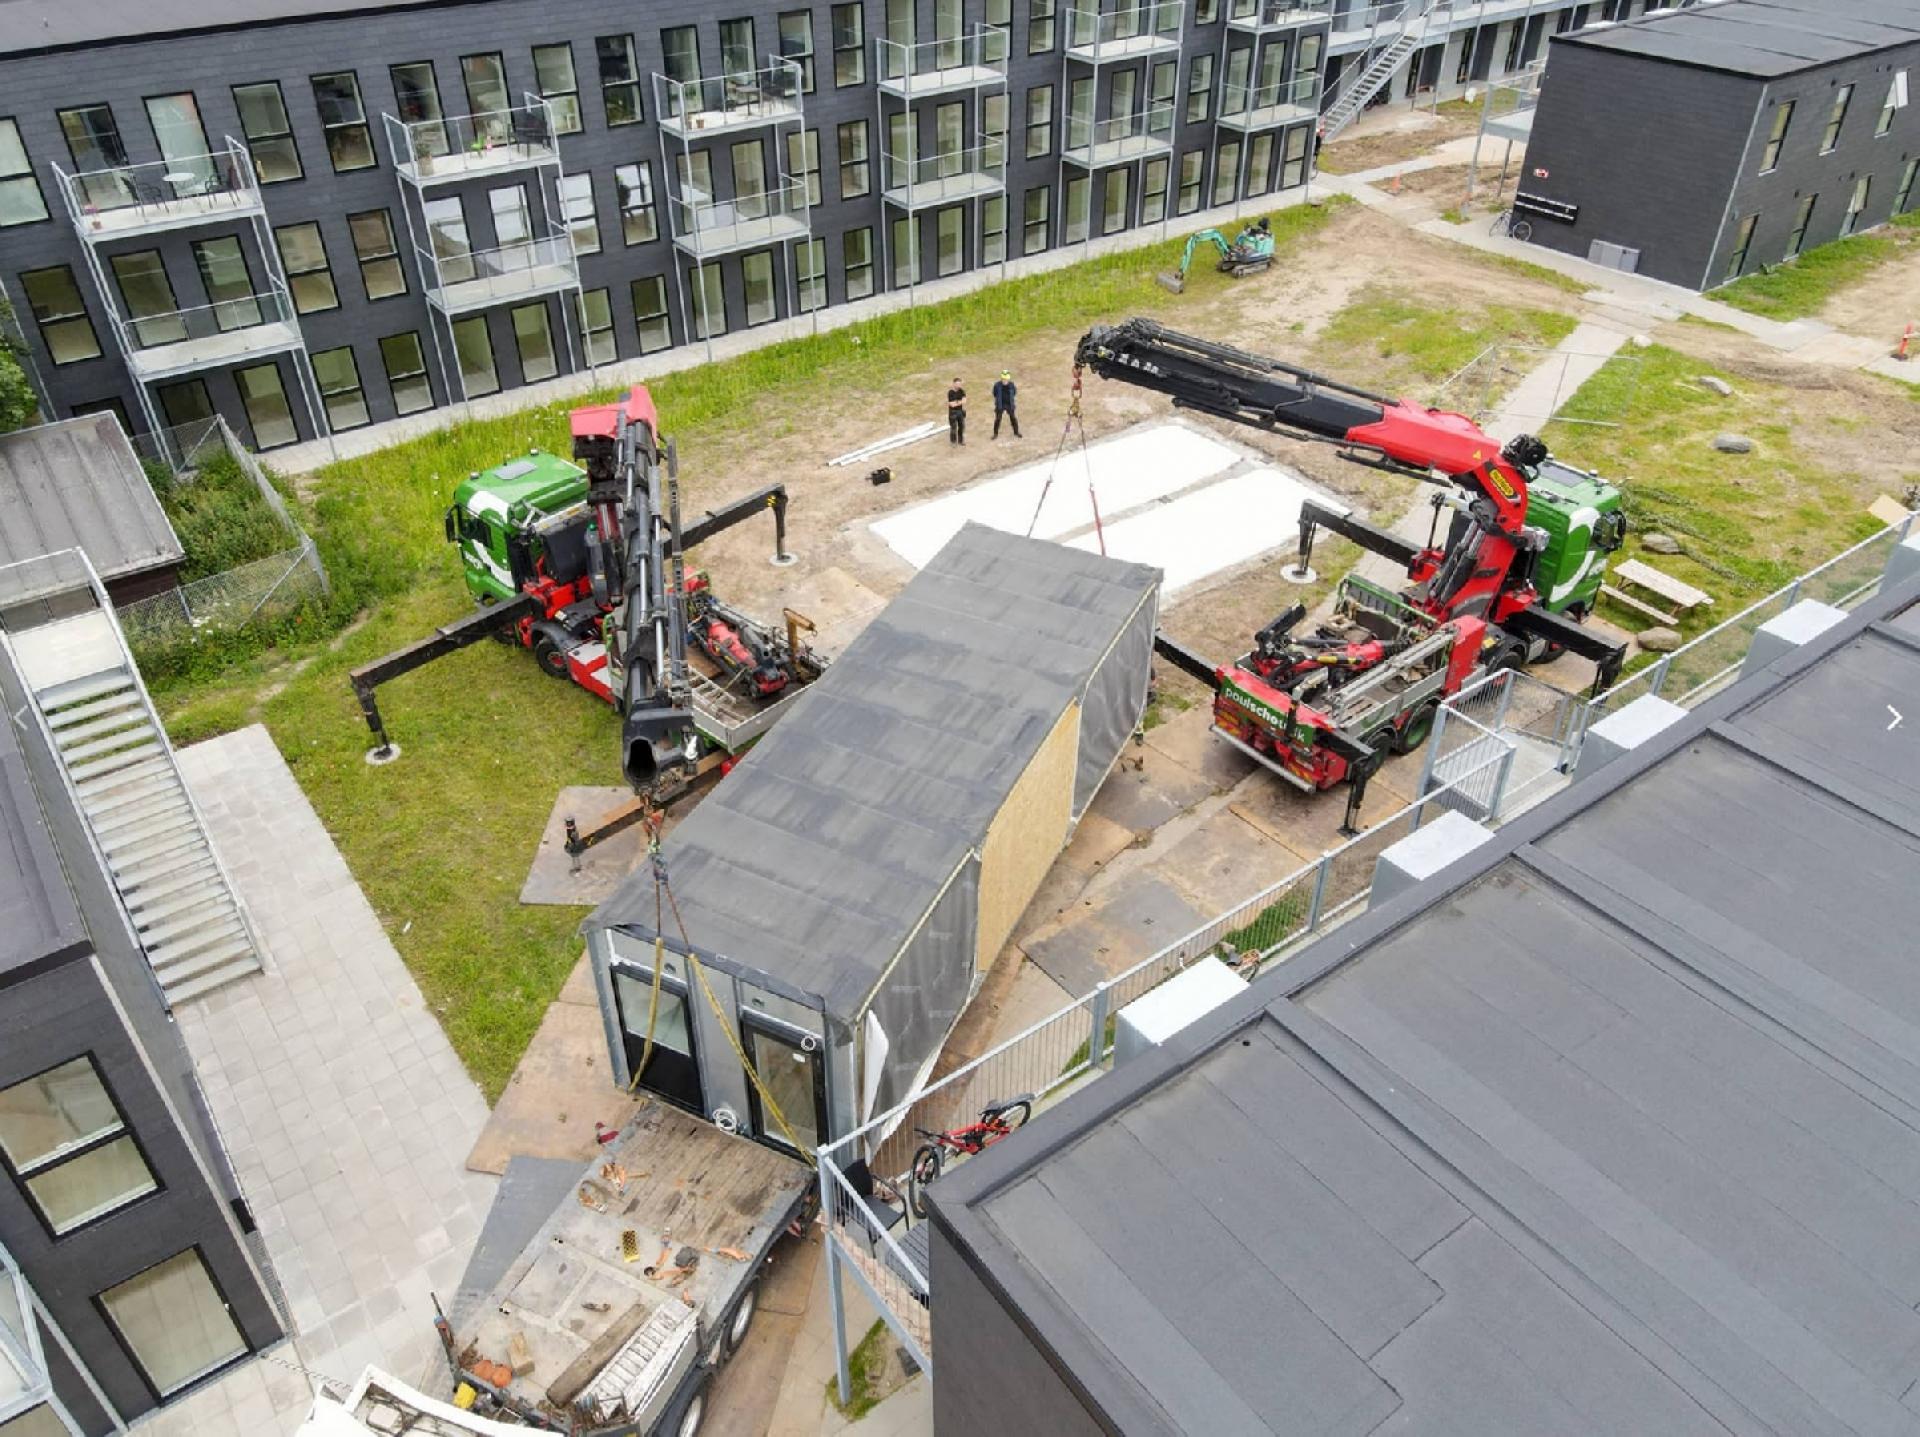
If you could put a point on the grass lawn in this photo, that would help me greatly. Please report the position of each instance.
(1394, 343)
(440, 841)
(1800, 287)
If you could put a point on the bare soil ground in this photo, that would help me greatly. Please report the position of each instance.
(1393, 134)
(1887, 300)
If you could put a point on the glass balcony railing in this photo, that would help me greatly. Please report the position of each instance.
(945, 177)
(1267, 106)
(1122, 137)
(745, 99)
(1263, 15)
(1098, 35)
(161, 194)
(210, 335)
(474, 279)
(978, 57)
(708, 225)
(455, 147)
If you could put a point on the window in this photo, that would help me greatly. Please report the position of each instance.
(756, 271)
(1034, 221)
(381, 273)
(849, 45)
(856, 262)
(338, 374)
(993, 229)
(1163, 82)
(1259, 165)
(1742, 242)
(39, 1421)
(1293, 159)
(1463, 72)
(710, 302)
(1896, 101)
(343, 120)
(950, 239)
(182, 140)
(650, 313)
(559, 86)
(633, 188)
(416, 96)
(810, 266)
(148, 295)
(596, 326)
(174, 1321)
(229, 285)
(485, 78)
(93, 139)
(803, 160)
(473, 350)
(999, 14)
(1516, 38)
(619, 80)
(1856, 204)
(512, 222)
(1039, 121)
(61, 314)
(946, 34)
(1777, 136)
(1153, 191)
(796, 43)
(304, 255)
(900, 149)
(1079, 199)
(576, 195)
(185, 402)
(265, 400)
(680, 50)
(856, 173)
(263, 120)
(64, 1137)
(1199, 89)
(1192, 165)
(21, 202)
(993, 126)
(1226, 171)
(406, 365)
(1205, 12)
(1114, 191)
(1836, 117)
(1080, 114)
(1039, 26)
(906, 251)
(737, 48)
(1903, 196)
(1797, 239)
(533, 337)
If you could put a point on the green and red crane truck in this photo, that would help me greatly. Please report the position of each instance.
(581, 563)
(1518, 572)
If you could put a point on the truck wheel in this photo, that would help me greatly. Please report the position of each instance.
(691, 1419)
(1414, 731)
(546, 653)
(742, 1319)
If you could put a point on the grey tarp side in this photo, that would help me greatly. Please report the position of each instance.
(1115, 700)
(921, 996)
(1612, 1127)
(812, 862)
(78, 485)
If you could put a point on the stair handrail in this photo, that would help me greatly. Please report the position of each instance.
(1402, 24)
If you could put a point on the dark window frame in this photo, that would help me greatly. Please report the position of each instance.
(324, 267)
(105, 1314)
(27, 175)
(363, 258)
(855, 73)
(863, 268)
(329, 129)
(610, 85)
(663, 315)
(552, 96)
(425, 372)
(803, 58)
(588, 329)
(359, 382)
(272, 361)
(22, 1176)
(292, 143)
(1836, 119)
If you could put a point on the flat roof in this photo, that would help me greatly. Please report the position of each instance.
(78, 484)
(1762, 38)
(38, 916)
(27, 26)
(1614, 1126)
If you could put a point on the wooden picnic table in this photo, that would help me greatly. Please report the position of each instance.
(1683, 596)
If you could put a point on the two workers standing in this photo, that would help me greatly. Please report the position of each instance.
(1005, 396)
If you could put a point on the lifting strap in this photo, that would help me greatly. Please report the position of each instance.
(1074, 422)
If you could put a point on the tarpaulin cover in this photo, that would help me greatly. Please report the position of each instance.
(1116, 697)
(810, 867)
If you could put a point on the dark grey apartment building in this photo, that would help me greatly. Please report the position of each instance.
(1699, 146)
(127, 1277)
(305, 214)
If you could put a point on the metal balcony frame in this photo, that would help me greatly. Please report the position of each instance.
(92, 241)
(1259, 37)
(1091, 66)
(908, 103)
(549, 184)
(678, 138)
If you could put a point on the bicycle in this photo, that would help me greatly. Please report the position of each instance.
(1509, 224)
(997, 1120)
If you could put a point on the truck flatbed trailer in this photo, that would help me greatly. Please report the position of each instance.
(602, 1327)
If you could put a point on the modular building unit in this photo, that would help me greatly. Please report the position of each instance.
(844, 888)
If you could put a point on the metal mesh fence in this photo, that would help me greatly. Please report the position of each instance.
(1561, 385)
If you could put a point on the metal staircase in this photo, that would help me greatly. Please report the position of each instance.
(1369, 82)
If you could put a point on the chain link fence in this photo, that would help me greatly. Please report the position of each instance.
(1530, 385)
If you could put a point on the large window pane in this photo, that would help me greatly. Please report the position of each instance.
(485, 77)
(406, 364)
(63, 1134)
(173, 1321)
(554, 77)
(224, 275)
(20, 199)
(473, 348)
(596, 326)
(1113, 217)
(338, 374)
(375, 246)
(619, 79)
(343, 119)
(92, 1185)
(533, 337)
(183, 142)
(303, 254)
(796, 43)
(650, 313)
(185, 401)
(93, 139)
(633, 188)
(39, 1422)
(416, 96)
(61, 314)
(950, 235)
(512, 219)
(708, 302)
(263, 119)
(810, 264)
(582, 223)
(856, 259)
(856, 174)
(756, 271)
(265, 399)
(148, 296)
(447, 231)
(849, 45)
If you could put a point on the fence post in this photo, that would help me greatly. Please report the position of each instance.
(1660, 674)
(1433, 750)
(1097, 1033)
(1508, 679)
(1500, 777)
(842, 1377)
(1319, 894)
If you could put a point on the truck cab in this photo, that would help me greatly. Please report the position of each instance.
(501, 518)
(1582, 517)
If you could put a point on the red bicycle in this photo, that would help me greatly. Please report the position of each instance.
(996, 1121)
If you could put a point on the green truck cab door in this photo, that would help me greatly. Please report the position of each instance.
(1582, 517)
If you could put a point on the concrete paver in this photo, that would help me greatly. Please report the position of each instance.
(344, 1108)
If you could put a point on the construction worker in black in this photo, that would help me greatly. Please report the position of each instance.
(1004, 395)
(956, 413)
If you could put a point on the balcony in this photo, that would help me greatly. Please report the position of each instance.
(479, 279)
(473, 147)
(1263, 17)
(705, 227)
(1120, 139)
(130, 200)
(946, 178)
(940, 67)
(210, 336)
(1365, 26)
(724, 104)
(1131, 32)
(1269, 107)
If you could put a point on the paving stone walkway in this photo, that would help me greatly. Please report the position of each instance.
(345, 1110)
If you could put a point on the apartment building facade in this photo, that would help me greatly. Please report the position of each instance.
(309, 216)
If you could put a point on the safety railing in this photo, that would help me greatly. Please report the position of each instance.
(1099, 142)
(1265, 15)
(1359, 21)
(949, 175)
(451, 147)
(473, 279)
(978, 56)
(1542, 725)
(160, 194)
(231, 319)
(1258, 106)
(1099, 34)
(761, 216)
(741, 99)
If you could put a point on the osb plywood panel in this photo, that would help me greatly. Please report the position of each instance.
(1027, 835)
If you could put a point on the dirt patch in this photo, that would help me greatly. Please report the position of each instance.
(1392, 136)
(1887, 300)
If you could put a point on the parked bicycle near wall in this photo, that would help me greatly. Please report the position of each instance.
(1509, 223)
(996, 1121)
